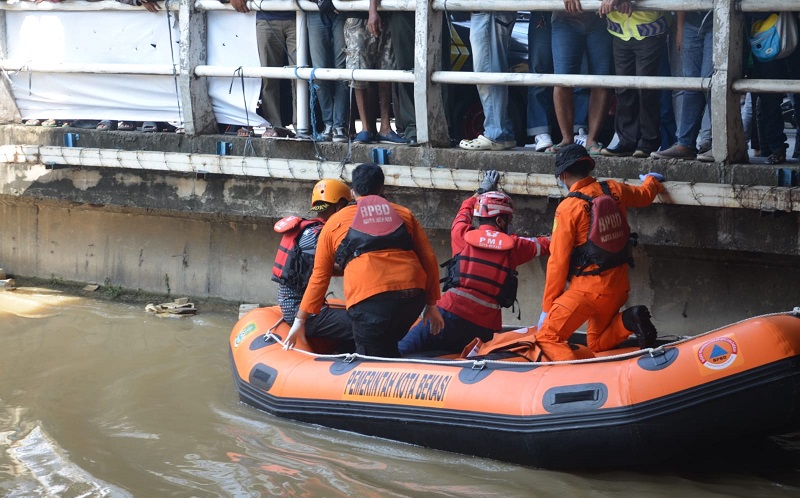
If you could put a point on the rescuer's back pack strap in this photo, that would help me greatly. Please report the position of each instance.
(609, 240)
(375, 227)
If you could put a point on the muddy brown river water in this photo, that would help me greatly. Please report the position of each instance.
(99, 398)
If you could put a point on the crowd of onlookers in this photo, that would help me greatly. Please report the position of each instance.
(616, 40)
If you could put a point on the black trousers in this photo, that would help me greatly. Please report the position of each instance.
(638, 118)
(380, 321)
(333, 324)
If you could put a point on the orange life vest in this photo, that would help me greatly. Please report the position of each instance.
(375, 227)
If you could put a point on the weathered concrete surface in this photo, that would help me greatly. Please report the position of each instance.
(697, 268)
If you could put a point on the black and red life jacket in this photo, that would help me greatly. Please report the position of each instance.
(375, 227)
(609, 241)
(482, 271)
(292, 265)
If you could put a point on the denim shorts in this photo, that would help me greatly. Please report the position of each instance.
(576, 34)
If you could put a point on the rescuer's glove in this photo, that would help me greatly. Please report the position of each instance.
(657, 176)
(489, 182)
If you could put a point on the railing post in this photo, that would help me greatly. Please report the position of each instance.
(428, 104)
(728, 144)
(196, 111)
(9, 112)
(301, 37)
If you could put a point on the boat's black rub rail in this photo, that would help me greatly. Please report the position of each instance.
(788, 369)
(610, 437)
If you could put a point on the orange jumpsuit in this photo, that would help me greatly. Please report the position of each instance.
(596, 298)
(376, 271)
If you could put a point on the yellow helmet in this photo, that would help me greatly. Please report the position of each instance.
(329, 191)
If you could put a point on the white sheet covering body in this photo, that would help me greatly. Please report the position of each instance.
(124, 37)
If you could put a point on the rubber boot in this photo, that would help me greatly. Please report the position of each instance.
(637, 320)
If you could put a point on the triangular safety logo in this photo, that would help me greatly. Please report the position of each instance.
(718, 354)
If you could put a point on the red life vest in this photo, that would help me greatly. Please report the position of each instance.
(375, 227)
(293, 266)
(609, 242)
(482, 271)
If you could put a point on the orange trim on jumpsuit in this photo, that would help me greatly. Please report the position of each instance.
(376, 271)
(596, 298)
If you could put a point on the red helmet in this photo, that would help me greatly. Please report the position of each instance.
(491, 204)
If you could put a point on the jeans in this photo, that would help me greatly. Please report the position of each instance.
(455, 335)
(697, 61)
(540, 61)
(575, 34)
(326, 47)
(489, 35)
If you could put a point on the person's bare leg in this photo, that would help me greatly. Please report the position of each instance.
(564, 104)
(598, 112)
(385, 98)
(367, 122)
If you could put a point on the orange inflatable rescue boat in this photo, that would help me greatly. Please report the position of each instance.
(629, 408)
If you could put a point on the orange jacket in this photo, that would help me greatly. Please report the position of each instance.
(571, 229)
(376, 271)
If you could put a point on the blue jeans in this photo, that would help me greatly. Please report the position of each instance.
(326, 47)
(697, 62)
(575, 34)
(540, 61)
(455, 335)
(489, 35)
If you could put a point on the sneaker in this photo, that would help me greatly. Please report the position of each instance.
(705, 156)
(581, 137)
(542, 142)
(391, 138)
(637, 320)
(339, 135)
(616, 152)
(364, 137)
(675, 152)
(327, 134)
(641, 154)
(703, 148)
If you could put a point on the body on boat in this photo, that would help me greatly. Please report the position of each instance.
(630, 407)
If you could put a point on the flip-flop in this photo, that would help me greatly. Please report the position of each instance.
(50, 123)
(594, 149)
(553, 149)
(33, 122)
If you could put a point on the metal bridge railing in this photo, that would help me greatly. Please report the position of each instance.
(726, 81)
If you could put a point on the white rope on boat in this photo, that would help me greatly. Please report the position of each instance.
(480, 364)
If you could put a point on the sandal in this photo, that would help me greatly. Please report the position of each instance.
(553, 149)
(482, 143)
(149, 127)
(777, 158)
(594, 149)
(106, 125)
(50, 123)
(126, 126)
(244, 132)
(33, 122)
(269, 133)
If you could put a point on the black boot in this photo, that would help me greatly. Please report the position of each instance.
(637, 320)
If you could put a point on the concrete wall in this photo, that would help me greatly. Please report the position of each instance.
(211, 236)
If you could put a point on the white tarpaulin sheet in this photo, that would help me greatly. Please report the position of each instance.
(124, 37)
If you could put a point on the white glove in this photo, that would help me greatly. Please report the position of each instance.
(298, 330)
(541, 319)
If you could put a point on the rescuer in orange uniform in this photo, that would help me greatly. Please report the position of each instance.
(390, 269)
(481, 277)
(596, 292)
